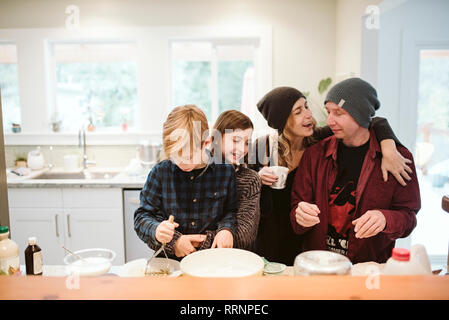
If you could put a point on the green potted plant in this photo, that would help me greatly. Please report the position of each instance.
(124, 115)
(55, 122)
(91, 126)
(21, 161)
(16, 128)
(323, 86)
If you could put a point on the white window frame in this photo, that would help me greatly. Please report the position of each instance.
(153, 60)
(215, 42)
(14, 44)
(413, 42)
(51, 73)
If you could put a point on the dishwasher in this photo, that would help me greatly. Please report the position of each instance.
(134, 247)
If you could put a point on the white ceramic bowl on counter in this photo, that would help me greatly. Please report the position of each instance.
(94, 262)
(136, 268)
(222, 263)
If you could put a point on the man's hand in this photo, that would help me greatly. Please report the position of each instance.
(369, 224)
(165, 231)
(223, 239)
(187, 243)
(307, 214)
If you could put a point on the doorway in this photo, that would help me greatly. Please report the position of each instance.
(432, 151)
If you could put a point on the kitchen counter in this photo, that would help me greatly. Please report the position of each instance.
(122, 180)
(255, 288)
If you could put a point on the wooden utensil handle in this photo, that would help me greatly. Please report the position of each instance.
(445, 204)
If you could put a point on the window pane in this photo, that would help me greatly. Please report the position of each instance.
(216, 75)
(432, 151)
(235, 81)
(100, 88)
(191, 84)
(9, 86)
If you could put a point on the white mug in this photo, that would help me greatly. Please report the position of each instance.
(71, 162)
(281, 173)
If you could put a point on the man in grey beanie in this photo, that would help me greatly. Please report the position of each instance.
(340, 202)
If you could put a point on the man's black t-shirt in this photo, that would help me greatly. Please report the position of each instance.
(343, 195)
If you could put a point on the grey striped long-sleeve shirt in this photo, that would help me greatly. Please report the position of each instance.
(248, 213)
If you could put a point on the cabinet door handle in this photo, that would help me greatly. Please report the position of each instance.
(68, 225)
(135, 201)
(57, 225)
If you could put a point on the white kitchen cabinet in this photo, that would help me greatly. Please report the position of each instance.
(92, 198)
(35, 198)
(78, 218)
(43, 223)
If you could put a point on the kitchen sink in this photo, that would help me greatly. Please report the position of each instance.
(88, 175)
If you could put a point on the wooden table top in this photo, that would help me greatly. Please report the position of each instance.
(255, 288)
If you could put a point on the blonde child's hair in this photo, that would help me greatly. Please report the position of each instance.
(185, 127)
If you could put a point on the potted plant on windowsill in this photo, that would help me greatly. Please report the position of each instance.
(21, 161)
(91, 126)
(124, 116)
(16, 128)
(55, 122)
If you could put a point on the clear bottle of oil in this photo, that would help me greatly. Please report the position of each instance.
(9, 254)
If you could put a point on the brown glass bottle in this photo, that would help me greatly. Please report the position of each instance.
(33, 258)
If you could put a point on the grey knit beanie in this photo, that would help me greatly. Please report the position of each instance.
(357, 97)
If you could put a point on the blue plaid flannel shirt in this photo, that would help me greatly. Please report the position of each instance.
(201, 201)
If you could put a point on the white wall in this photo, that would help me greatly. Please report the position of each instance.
(303, 30)
(404, 27)
(311, 39)
(349, 25)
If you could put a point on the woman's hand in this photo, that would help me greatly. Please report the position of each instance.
(267, 176)
(186, 244)
(223, 239)
(165, 231)
(394, 162)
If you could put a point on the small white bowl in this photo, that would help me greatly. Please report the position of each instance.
(136, 268)
(95, 262)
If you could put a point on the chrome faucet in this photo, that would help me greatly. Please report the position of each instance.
(50, 164)
(82, 143)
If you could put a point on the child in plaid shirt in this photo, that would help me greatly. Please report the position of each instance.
(200, 194)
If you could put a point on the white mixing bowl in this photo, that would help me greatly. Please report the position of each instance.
(222, 263)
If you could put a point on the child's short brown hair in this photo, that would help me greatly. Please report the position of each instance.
(184, 128)
(232, 120)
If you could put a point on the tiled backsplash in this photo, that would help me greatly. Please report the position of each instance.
(105, 156)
